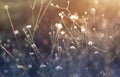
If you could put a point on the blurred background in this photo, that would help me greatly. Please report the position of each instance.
(21, 13)
(90, 64)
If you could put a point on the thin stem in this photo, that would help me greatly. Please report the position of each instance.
(36, 25)
(33, 16)
(30, 3)
(44, 11)
(67, 29)
(34, 4)
(12, 26)
(8, 52)
(40, 10)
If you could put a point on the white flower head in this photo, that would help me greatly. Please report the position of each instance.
(83, 29)
(85, 12)
(102, 35)
(96, 52)
(29, 66)
(61, 14)
(75, 27)
(74, 17)
(62, 32)
(58, 68)
(93, 11)
(90, 43)
(42, 66)
(58, 26)
(33, 45)
(72, 47)
(59, 48)
(16, 32)
(28, 26)
(31, 53)
(52, 4)
(6, 7)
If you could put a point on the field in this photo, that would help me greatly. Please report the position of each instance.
(59, 38)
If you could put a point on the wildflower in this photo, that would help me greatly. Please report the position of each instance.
(28, 26)
(56, 57)
(27, 35)
(96, 52)
(75, 27)
(52, 4)
(16, 32)
(62, 32)
(85, 12)
(94, 29)
(83, 29)
(72, 47)
(50, 33)
(74, 17)
(6, 7)
(93, 11)
(102, 35)
(33, 45)
(68, 2)
(90, 43)
(59, 48)
(42, 66)
(29, 66)
(20, 66)
(58, 68)
(58, 26)
(24, 29)
(31, 53)
(57, 6)
(17, 60)
(61, 14)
